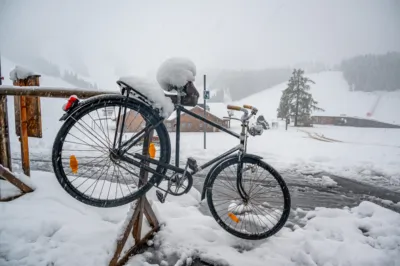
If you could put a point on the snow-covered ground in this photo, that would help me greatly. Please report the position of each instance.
(333, 94)
(365, 154)
(48, 227)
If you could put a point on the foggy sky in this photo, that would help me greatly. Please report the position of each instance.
(138, 35)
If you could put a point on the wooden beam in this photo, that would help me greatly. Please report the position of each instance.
(10, 177)
(135, 222)
(52, 92)
(24, 137)
(5, 156)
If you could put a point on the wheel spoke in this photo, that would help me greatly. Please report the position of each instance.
(256, 217)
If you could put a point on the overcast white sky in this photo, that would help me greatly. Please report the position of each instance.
(139, 35)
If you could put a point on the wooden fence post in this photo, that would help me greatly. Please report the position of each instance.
(5, 154)
(21, 115)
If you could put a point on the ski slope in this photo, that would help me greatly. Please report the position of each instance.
(332, 92)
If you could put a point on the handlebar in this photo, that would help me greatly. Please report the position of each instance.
(246, 115)
(234, 107)
(252, 108)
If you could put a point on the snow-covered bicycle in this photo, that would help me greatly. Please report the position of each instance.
(97, 155)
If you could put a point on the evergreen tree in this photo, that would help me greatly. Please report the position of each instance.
(296, 100)
(372, 72)
(283, 109)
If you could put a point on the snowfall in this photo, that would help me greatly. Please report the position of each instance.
(49, 227)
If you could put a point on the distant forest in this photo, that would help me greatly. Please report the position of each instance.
(373, 72)
(243, 83)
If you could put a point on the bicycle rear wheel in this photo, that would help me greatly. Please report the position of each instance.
(265, 211)
(84, 158)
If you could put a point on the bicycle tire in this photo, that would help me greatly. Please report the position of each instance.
(88, 106)
(248, 159)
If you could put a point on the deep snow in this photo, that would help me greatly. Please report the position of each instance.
(48, 227)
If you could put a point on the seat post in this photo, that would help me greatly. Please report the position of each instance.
(178, 127)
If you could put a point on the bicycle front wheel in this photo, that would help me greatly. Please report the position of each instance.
(266, 208)
(84, 151)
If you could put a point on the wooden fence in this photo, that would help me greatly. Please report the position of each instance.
(27, 93)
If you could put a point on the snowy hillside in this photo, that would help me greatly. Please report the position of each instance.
(332, 93)
(51, 111)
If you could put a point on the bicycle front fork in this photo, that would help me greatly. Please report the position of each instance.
(239, 184)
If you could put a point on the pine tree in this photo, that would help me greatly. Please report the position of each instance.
(296, 100)
(284, 108)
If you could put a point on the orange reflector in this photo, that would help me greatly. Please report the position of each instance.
(233, 217)
(73, 163)
(152, 150)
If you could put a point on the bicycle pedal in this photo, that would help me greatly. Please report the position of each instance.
(160, 196)
(192, 164)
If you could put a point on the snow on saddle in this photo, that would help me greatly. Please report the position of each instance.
(175, 74)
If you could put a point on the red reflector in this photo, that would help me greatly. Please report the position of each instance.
(68, 104)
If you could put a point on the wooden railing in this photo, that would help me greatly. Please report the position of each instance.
(27, 94)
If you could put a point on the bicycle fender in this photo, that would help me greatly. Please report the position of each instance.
(91, 100)
(203, 192)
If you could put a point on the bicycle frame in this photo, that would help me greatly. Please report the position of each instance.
(178, 108)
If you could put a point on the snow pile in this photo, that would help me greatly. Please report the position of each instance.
(328, 182)
(152, 92)
(176, 72)
(48, 227)
(21, 73)
(364, 235)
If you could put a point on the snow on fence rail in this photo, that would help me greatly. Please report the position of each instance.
(51, 92)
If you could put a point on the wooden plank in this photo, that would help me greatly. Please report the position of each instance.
(150, 215)
(137, 228)
(142, 207)
(122, 240)
(5, 156)
(137, 247)
(33, 116)
(10, 177)
(17, 115)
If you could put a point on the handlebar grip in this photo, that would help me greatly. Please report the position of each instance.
(247, 106)
(234, 107)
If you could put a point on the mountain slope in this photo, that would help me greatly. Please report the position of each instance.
(50, 108)
(332, 93)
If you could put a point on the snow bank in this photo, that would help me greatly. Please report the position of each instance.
(48, 227)
(176, 72)
(153, 93)
(20, 72)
